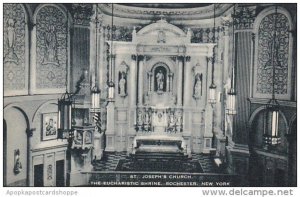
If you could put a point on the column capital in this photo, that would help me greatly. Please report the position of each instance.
(140, 57)
(29, 132)
(253, 36)
(134, 57)
(187, 58)
(181, 57)
(30, 25)
(210, 59)
(171, 74)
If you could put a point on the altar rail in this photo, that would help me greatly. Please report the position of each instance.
(163, 179)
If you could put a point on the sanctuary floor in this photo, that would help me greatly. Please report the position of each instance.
(110, 162)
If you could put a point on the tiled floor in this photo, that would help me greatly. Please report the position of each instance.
(110, 161)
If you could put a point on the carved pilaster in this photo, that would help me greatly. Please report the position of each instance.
(244, 17)
(82, 13)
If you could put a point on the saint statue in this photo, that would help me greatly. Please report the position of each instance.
(11, 36)
(122, 84)
(50, 39)
(18, 164)
(198, 86)
(160, 80)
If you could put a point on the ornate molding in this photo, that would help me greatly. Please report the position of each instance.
(82, 13)
(244, 17)
(155, 13)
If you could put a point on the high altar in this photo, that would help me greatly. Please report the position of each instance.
(160, 82)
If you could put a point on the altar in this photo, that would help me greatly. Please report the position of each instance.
(159, 91)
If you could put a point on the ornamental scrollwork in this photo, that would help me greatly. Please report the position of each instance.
(51, 47)
(14, 46)
(82, 13)
(281, 48)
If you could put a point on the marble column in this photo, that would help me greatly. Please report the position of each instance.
(113, 66)
(32, 65)
(180, 60)
(133, 84)
(208, 134)
(171, 81)
(149, 81)
(140, 79)
(187, 82)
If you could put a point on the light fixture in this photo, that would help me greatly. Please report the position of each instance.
(64, 116)
(111, 85)
(212, 87)
(95, 97)
(64, 126)
(95, 91)
(271, 119)
(231, 98)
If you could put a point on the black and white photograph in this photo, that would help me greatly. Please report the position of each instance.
(150, 94)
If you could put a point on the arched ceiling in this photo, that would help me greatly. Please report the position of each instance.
(166, 5)
(169, 11)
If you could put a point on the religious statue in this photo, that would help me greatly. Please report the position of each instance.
(161, 37)
(50, 40)
(11, 56)
(172, 123)
(140, 118)
(198, 86)
(122, 85)
(160, 80)
(78, 138)
(18, 164)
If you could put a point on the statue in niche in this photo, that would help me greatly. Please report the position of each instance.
(122, 85)
(198, 86)
(50, 40)
(161, 37)
(160, 80)
(11, 35)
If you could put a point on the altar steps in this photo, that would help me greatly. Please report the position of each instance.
(159, 156)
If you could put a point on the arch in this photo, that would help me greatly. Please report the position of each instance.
(259, 89)
(13, 105)
(17, 66)
(271, 10)
(165, 60)
(161, 25)
(59, 6)
(259, 110)
(41, 106)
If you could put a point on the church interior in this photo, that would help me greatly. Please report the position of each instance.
(94, 92)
